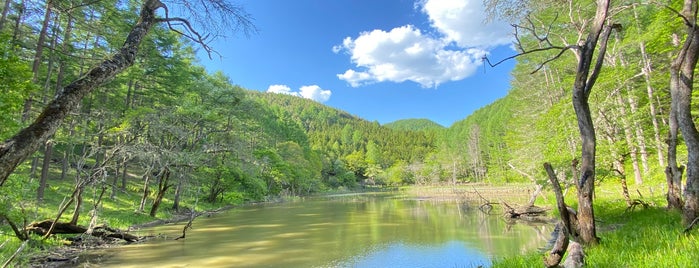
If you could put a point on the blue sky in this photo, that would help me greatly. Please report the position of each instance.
(380, 60)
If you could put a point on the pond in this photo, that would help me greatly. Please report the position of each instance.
(359, 230)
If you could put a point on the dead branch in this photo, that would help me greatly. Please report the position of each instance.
(20, 234)
(562, 208)
(14, 255)
(187, 226)
(568, 228)
(192, 34)
(559, 248)
(690, 226)
(635, 203)
(563, 49)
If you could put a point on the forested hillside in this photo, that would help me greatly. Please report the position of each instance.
(415, 125)
(535, 122)
(165, 128)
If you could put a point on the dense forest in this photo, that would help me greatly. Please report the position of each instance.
(164, 129)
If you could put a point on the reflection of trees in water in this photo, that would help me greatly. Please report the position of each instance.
(328, 230)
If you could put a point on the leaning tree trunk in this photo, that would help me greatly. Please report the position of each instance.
(163, 186)
(14, 150)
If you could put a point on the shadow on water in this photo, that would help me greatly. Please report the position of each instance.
(370, 230)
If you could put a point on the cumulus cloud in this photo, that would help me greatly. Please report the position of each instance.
(406, 54)
(463, 22)
(282, 89)
(313, 92)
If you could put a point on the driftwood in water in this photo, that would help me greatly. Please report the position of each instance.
(531, 213)
(192, 216)
(42, 227)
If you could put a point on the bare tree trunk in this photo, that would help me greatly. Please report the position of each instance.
(681, 87)
(673, 172)
(65, 49)
(123, 174)
(647, 70)
(146, 192)
(14, 150)
(44, 172)
(51, 62)
(37, 58)
(621, 170)
(628, 137)
(653, 110)
(587, 71)
(5, 11)
(163, 186)
(18, 21)
(475, 153)
(640, 134)
(178, 193)
(78, 197)
(48, 150)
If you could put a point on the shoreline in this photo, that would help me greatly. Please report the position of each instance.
(73, 254)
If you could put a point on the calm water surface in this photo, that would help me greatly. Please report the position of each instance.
(369, 230)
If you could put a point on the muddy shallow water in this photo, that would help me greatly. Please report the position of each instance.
(363, 230)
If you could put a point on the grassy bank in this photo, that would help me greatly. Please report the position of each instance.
(119, 212)
(643, 237)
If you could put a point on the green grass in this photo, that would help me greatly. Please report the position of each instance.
(645, 237)
(17, 199)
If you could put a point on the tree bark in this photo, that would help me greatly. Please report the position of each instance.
(178, 193)
(146, 192)
(587, 71)
(640, 133)
(163, 186)
(673, 172)
(38, 53)
(20, 15)
(14, 150)
(48, 151)
(681, 86)
(628, 137)
(5, 11)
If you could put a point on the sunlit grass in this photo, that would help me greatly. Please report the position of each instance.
(642, 237)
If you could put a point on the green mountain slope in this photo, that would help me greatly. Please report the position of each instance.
(414, 125)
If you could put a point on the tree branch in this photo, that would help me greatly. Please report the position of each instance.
(606, 32)
(563, 49)
(194, 36)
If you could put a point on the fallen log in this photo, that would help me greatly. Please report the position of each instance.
(525, 212)
(576, 256)
(103, 231)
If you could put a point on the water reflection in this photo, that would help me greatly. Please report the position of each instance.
(348, 231)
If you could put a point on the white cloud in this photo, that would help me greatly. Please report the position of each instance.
(463, 22)
(282, 89)
(406, 54)
(313, 92)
